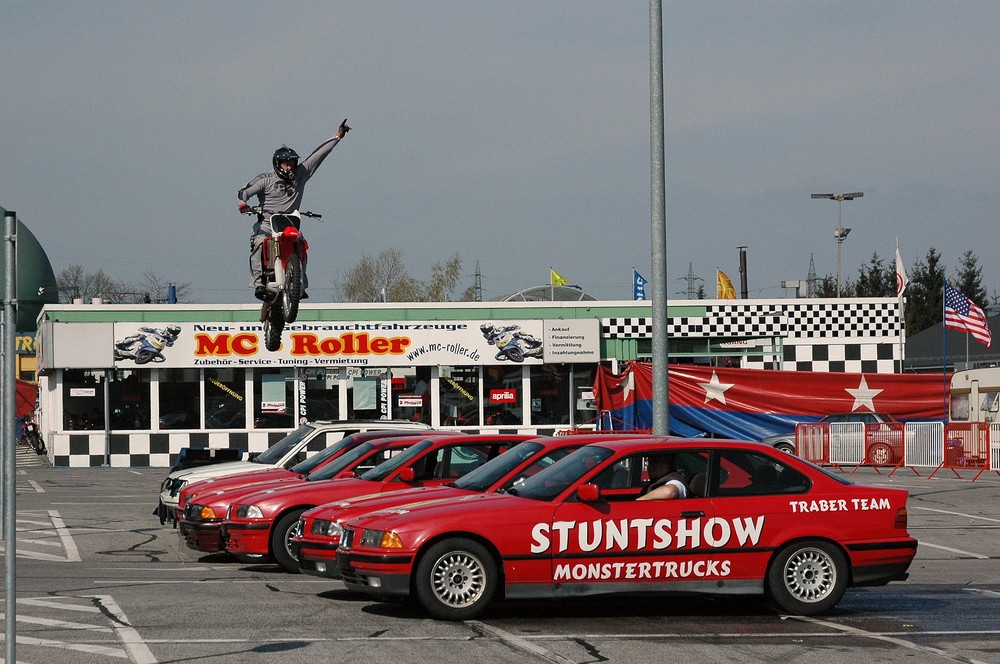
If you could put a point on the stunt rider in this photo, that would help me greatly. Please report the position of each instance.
(279, 191)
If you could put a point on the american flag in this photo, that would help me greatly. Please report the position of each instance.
(964, 315)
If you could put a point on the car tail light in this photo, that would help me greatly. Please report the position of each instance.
(901, 518)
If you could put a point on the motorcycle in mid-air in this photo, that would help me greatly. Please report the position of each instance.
(282, 255)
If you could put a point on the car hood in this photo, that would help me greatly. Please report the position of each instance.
(218, 470)
(488, 509)
(323, 491)
(365, 503)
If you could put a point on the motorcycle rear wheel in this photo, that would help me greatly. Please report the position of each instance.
(293, 289)
(274, 325)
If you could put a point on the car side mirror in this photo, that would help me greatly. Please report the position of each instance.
(407, 474)
(589, 493)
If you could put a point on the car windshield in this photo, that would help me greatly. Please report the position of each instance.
(552, 481)
(490, 473)
(317, 460)
(277, 452)
(342, 463)
(386, 468)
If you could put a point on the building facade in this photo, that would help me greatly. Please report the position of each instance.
(130, 385)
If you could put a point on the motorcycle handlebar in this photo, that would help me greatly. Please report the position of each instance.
(302, 213)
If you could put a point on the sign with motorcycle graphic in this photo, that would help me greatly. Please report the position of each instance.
(358, 343)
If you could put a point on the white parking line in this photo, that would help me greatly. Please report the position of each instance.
(968, 516)
(42, 532)
(518, 642)
(889, 639)
(104, 607)
(969, 554)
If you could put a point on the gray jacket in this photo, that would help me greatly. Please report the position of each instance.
(277, 195)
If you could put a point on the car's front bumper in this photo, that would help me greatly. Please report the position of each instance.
(247, 538)
(203, 535)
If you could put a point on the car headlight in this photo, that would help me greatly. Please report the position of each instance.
(200, 513)
(325, 528)
(248, 512)
(381, 539)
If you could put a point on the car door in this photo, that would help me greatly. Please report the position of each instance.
(751, 494)
(619, 544)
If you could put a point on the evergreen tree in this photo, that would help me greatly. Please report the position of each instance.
(876, 279)
(970, 279)
(924, 294)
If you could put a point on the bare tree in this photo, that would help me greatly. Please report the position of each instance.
(385, 278)
(75, 282)
(157, 289)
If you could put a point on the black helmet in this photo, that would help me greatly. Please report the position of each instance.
(285, 153)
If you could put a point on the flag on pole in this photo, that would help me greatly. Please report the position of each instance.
(901, 279)
(964, 315)
(638, 285)
(555, 278)
(724, 286)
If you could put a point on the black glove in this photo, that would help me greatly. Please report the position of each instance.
(343, 129)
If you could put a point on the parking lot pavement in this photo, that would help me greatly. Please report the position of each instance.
(99, 580)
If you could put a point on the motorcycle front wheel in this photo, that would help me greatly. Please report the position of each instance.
(274, 325)
(292, 293)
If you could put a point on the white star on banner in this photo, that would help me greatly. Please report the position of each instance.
(863, 396)
(628, 385)
(716, 390)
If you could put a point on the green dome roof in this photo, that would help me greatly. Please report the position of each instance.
(36, 283)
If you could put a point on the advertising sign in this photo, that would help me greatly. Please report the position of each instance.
(358, 343)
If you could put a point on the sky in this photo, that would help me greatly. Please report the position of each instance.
(513, 133)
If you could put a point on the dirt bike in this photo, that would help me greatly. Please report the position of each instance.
(282, 256)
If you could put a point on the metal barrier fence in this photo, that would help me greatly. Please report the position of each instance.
(954, 446)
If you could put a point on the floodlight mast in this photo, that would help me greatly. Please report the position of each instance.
(840, 233)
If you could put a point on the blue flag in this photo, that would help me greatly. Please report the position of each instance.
(638, 286)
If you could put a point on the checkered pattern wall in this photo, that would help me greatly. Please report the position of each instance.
(845, 337)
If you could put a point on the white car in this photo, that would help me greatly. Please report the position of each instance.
(287, 452)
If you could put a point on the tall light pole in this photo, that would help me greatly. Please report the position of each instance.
(840, 233)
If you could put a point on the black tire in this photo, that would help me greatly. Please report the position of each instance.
(808, 578)
(456, 579)
(293, 289)
(515, 354)
(143, 356)
(36, 443)
(785, 446)
(250, 559)
(281, 536)
(274, 325)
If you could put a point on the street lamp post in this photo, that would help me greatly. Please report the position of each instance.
(840, 233)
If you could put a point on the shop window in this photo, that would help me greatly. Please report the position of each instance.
(225, 399)
(550, 390)
(368, 393)
(129, 400)
(322, 393)
(459, 396)
(83, 400)
(503, 395)
(411, 394)
(584, 403)
(180, 398)
(274, 391)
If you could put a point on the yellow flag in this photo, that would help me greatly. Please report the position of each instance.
(724, 288)
(555, 278)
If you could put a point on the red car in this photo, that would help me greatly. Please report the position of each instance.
(317, 536)
(299, 471)
(262, 523)
(757, 521)
(201, 522)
